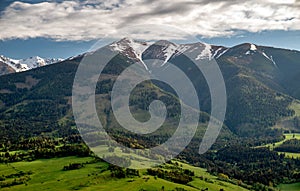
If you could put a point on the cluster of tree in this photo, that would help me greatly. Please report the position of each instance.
(258, 167)
(255, 165)
(14, 182)
(40, 142)
(43, 147)
(119, 172)
(42, 153)
(18, 178)
(292, 145)
(15, 175)
(177, 176)
(73, 166)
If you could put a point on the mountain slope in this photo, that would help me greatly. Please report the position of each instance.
(38, 101)
(257, 78)
(260, 86)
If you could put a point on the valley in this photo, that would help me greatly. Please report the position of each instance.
(41, 147)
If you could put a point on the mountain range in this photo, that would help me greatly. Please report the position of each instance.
(261, 82)
(8, 65)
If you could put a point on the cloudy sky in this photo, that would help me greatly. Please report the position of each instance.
(59, 28)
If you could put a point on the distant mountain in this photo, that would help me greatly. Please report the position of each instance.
(8, 65)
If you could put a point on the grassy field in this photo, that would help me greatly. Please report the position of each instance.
(291, 155)
(48, 174)
(212, 182)
(289, 187)
(288, 136)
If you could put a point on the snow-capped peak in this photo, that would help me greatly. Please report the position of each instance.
(131, 48)
(28, 63)
(162, 51)
(205, 51)
(32, 62)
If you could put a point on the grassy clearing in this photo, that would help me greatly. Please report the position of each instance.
(289, 187)
(136, 160)
(290, 155)
(288, 136)
(47, 174)
(142, 183)
(209, 181)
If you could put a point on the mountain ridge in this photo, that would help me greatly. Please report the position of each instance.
(9, 65)
(267, 72)
(259, 93)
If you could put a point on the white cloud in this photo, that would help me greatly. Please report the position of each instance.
(93, 19)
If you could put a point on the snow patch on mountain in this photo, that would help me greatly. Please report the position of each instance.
(253, 47)
(206, 52)
(168, 52)
(27, 64)
(131, 48)
(269, 58)
(182, 48)
(226, 49)
(163, 51)
(216, 54)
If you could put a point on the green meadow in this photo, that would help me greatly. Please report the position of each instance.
(289, 187)
(48, 174)
(288, 136)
